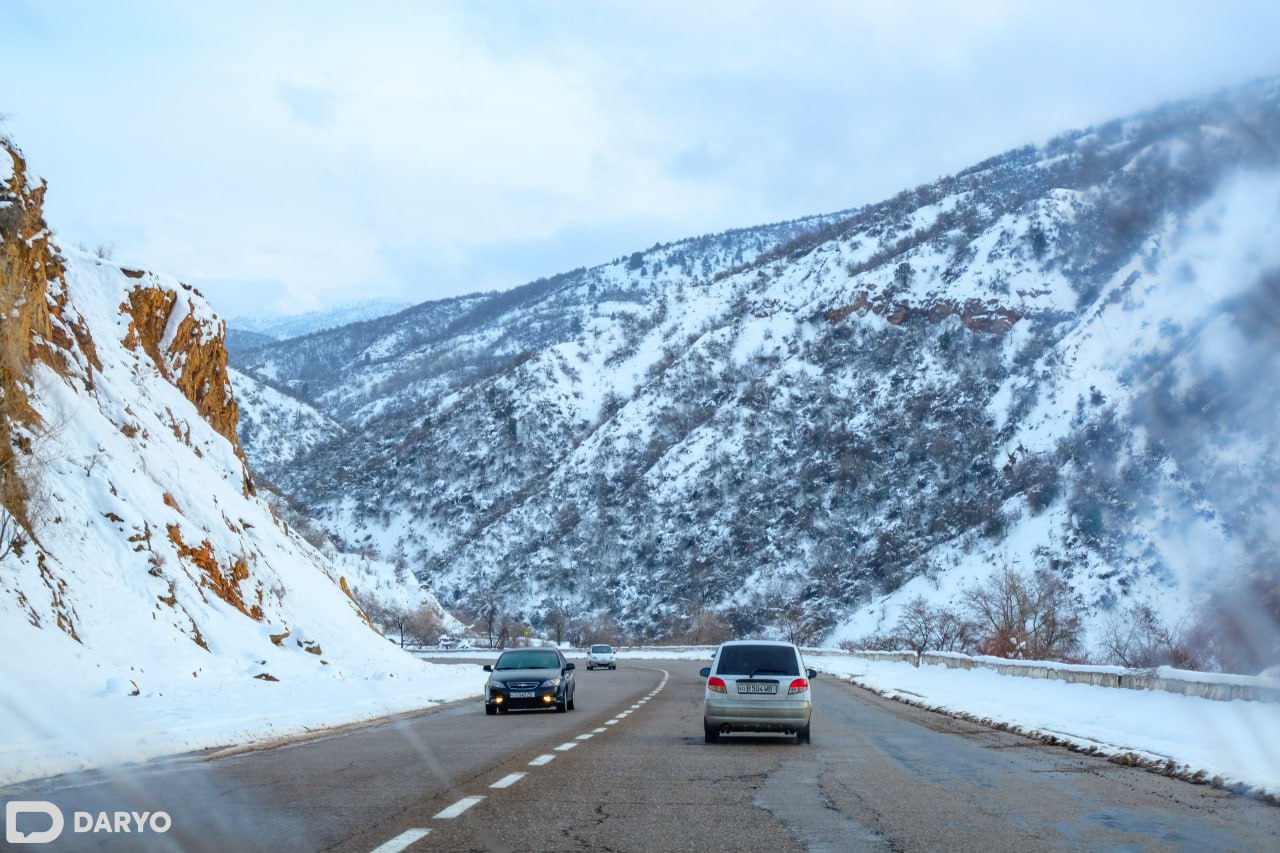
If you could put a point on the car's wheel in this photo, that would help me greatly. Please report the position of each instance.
(502, 709)
(562, 706)
(615, 666)
(570, 701)
(491, 709)
(711, 733)
(802, 735)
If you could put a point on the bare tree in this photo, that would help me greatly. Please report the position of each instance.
(707, 628)
(1025, 616)
(923, 627)
(425, 625)
(557, 619)
(388, 618)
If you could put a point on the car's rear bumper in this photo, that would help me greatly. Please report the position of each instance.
(778, 715)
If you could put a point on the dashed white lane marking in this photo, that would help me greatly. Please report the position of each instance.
(402, 841)
(458, 808)
(508, 780)
(599, 730)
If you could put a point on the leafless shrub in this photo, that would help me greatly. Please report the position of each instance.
(923, 627)
(425, 625)
(873, 643)
(703, 628)
(1025, 616)
(1137, 638)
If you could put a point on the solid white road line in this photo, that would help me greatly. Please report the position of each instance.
(401, 841)
(508, 780)
(541, 760)
(458, 808)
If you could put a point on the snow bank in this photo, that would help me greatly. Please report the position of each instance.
(1231, 744)
(87, 716)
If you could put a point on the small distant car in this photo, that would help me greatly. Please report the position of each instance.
(446, 642)
(601, 656)
(757, 686)
(529, 678)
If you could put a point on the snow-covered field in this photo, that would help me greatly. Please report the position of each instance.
(1233, 743)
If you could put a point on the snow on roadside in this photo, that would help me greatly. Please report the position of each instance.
(97, 721)
(1231, 744)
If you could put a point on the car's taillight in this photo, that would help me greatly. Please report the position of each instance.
(716, 685)
(800, 685)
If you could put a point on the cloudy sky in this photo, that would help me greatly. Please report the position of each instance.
(287, 156)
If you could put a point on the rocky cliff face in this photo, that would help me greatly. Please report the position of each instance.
(129, 523)
(188, 350)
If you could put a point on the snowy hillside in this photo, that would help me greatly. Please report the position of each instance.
(142, 581)
(1056, 359)
(275, 427)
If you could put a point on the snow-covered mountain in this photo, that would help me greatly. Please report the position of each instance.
(1063, 357)
(284, 327)
(136, 557)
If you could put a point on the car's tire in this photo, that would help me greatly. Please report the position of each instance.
(562, 706)
(615, 666)
(491, 709)
(802, 735)
(571, 702)
(710, 733)
(502, 709)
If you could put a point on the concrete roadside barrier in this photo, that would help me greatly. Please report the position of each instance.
(1206, 685)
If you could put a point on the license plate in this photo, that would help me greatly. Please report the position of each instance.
(757, 687)
(522, 694)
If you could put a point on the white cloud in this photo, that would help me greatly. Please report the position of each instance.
(420, 150)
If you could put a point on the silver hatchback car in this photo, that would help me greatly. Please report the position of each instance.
(757, 686)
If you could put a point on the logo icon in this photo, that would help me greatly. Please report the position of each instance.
(13, 835)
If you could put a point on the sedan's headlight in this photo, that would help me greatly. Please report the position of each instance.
(497, 684)
(550, 682)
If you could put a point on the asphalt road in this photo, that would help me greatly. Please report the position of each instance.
(628, 770)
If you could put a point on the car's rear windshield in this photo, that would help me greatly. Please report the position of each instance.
(758, 660)
(601, 649)
(528, 659)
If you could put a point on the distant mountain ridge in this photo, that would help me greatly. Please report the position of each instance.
(1013, 365)
(247, 332)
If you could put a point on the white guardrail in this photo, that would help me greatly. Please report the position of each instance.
(1206, 685)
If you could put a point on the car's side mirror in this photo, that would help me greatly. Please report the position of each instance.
(570, 666)
(488, 668)
(812, 673)
(705, 672)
